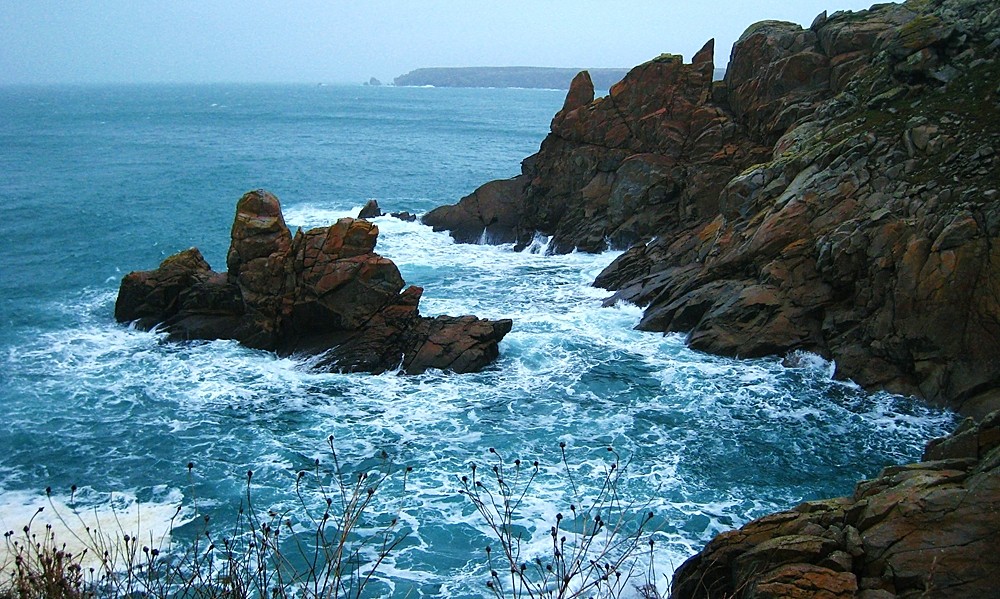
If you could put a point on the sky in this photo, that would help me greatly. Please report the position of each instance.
(335, 41)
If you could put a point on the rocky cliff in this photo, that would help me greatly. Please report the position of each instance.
(836, 193)
(322, 292)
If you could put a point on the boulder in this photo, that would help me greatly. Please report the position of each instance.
(151, 297)
(323, 292)
(492, 212)
(929, 529)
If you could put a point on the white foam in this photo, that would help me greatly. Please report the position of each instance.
(97, 523)
(569, 371)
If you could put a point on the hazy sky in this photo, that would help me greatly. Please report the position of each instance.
(45, 41)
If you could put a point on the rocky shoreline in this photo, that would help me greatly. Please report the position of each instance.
(928, 529)
(836, 193)
(323, 292)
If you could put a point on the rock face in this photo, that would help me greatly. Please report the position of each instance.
(613, 170)
(322, 292)
(836, 193)
(930, 529)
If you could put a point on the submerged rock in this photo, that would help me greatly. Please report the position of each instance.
(322, 292)
(929, 529)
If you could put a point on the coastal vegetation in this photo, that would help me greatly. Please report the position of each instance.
(329, 545)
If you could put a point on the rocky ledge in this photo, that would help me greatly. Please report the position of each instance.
(323, 292)
(921, 530)
(836, 193)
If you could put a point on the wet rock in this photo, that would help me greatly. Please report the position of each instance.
(404, 216)
(370, 210)
(492, 212)
(324, 292)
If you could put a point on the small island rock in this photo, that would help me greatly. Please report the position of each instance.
(323, 292)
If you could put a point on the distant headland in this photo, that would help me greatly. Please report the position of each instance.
(531, 77)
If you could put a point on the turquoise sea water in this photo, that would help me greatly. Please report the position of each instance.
(98, 181)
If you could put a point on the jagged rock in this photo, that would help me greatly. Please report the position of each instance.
(324, 292)
(370, 210)
(649, 156)
(827, 196)
(404, 216)
(929, 529)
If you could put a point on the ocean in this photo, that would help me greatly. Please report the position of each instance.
(98, 181)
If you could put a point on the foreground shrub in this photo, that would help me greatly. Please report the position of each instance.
(599, 546)
(332, 544)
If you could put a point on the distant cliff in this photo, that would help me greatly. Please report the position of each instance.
(533, 77)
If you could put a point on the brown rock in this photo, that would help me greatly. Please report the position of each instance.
(150, 297)
(324, 292)
(581, 92)
(805, 581)
(651, 155)
(492, 212)
(777, 73)
(929, 529)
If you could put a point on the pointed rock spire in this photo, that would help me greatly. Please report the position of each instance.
(581, 92)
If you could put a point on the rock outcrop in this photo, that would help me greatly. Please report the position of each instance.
(616, 170)
(836, 193)
(370, 210)
(323, 292)
(930, 529)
